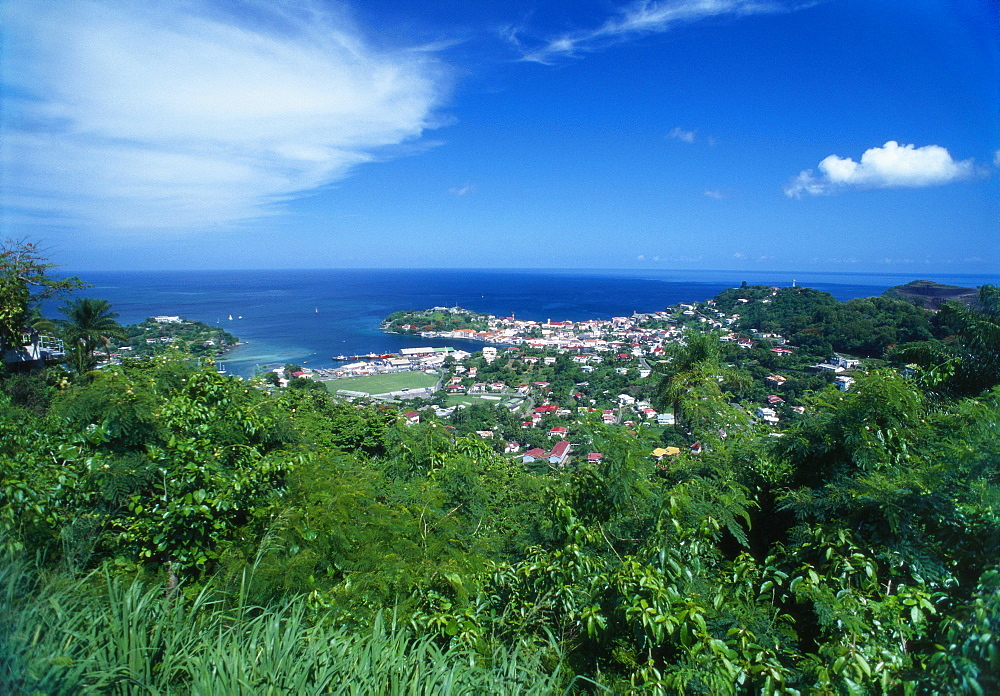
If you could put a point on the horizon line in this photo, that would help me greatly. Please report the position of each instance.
(532, 269)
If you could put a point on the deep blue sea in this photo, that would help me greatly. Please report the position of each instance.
(309, 316)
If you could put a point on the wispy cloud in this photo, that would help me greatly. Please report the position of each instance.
(685, 136)
(462, 190)
(644, 17)
(182, 115)
(890, 166)
(717, 194)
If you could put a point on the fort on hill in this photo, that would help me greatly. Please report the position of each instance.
(931, 295)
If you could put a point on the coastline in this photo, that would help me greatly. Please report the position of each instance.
(280, 322)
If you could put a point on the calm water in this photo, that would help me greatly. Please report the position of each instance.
(308, 316)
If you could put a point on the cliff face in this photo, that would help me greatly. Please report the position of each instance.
(931, 295)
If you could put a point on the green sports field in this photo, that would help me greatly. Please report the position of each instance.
(382, 384)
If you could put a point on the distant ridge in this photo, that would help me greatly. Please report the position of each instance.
(931, 295)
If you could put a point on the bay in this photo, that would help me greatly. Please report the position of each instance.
(307, 317)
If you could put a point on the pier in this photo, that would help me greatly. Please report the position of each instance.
(366, 356)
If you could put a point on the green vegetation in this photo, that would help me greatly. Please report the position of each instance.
(931, 295)
(24, 284)
(90, 324)
(122, 636)
(816, 321)
(166, 529)
(437, 319)
(383, 384)
(152, 337)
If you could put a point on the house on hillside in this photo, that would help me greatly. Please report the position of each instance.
(843, 382)
(556, 457)
(533, 455)
(661, 452)
(559, 453)
(34, 350)
(767, 415)
(841, 361)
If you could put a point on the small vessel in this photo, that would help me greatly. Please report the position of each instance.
(230, 317)
(221, 369)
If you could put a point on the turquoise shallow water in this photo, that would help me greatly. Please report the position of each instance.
(309, 316)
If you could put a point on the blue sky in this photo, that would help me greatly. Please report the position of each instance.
(835, 135)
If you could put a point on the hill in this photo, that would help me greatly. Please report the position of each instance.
(931, 295)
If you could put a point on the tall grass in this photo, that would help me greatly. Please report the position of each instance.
(103, 635)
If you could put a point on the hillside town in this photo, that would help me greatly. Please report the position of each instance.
(557, 378)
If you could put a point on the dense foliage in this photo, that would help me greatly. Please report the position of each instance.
(815, 320)
(437, 319)
(168, 529)
(24, 283)
(152, 337)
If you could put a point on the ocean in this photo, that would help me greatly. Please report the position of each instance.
(307, 317)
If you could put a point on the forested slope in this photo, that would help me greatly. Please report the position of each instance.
(168, 529)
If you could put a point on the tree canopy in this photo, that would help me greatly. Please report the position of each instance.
(165, 525)
(24, 282)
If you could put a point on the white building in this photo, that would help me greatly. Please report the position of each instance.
(767, 415)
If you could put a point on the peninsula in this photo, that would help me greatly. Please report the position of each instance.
(931, 295)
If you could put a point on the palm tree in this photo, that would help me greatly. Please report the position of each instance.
(693, 379)
(89, 324)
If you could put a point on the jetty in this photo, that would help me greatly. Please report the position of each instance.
(366, 356)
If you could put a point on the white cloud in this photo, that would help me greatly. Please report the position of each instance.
(717, 194)
(147, 115)
(644, 17)
(679, 133)
(996, 158)
(890, 166)
(461, 190)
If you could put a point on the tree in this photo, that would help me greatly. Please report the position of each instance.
(967, 362)
(24, 282)
(693, 381)
(90, 324)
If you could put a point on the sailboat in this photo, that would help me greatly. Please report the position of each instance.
(230, 317)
